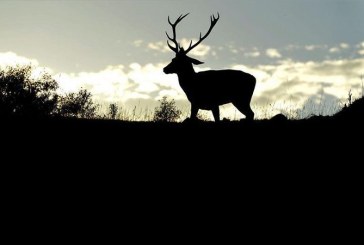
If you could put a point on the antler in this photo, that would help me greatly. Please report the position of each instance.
(213, 23)
(174, 38)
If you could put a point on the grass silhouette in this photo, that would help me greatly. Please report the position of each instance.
(132, 125)
(352, 114)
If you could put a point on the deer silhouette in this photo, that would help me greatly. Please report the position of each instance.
(209, 89)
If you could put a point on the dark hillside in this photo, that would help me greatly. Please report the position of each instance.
(353, 112)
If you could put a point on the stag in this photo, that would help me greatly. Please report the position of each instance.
(208, 90)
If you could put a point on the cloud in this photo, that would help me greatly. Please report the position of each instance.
(287, 84)
(159, 46)
(334, 50)
(231, 47)
(361, 48)
(291, 47)
(121, 84)
(339, 48)
(12, 59)
(314, 47)
(138, 43)
(116, 83)
(344, 45)
(201, 50)
(214, 54)
(253, 54)
(273, 53)
(110, 84)
(310, 47)
(151, 79)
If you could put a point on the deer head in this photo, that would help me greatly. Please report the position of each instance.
(183, 63)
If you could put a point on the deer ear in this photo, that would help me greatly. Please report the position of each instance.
(195, 62)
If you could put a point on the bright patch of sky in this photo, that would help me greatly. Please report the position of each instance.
(298, 50)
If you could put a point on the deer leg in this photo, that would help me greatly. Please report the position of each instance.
(194, 111)
(246, 110)
(216, 114)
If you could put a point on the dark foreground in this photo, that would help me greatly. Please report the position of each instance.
(306, 175)
(256, 135)
(269, 150)
(316, 145)
(265, 169)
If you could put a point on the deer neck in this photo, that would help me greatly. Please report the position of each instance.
(186, 75)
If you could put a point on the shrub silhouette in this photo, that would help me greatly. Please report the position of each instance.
(78, 105)
(22, 94)
(113, 111)
(167, 111)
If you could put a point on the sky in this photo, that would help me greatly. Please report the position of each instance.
(304, 53)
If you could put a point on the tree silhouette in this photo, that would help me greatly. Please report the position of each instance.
(78, 105)
(167, 111)
(23, 94)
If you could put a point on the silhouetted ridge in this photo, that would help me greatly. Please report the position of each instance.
(353, 111)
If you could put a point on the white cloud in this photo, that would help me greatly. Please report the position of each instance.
(138, 43)
(159, 46)
(150, 78)
(121, 84)
(290, 83)
(200, 51)
(232, 48)
(334, 50)
(361, 47)
(310, 47)
(292, 47)
(253, 54)
(344, 45)
(339, 48)
(314, 47)
(12, 59)
(110, 84)
(273, 53)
